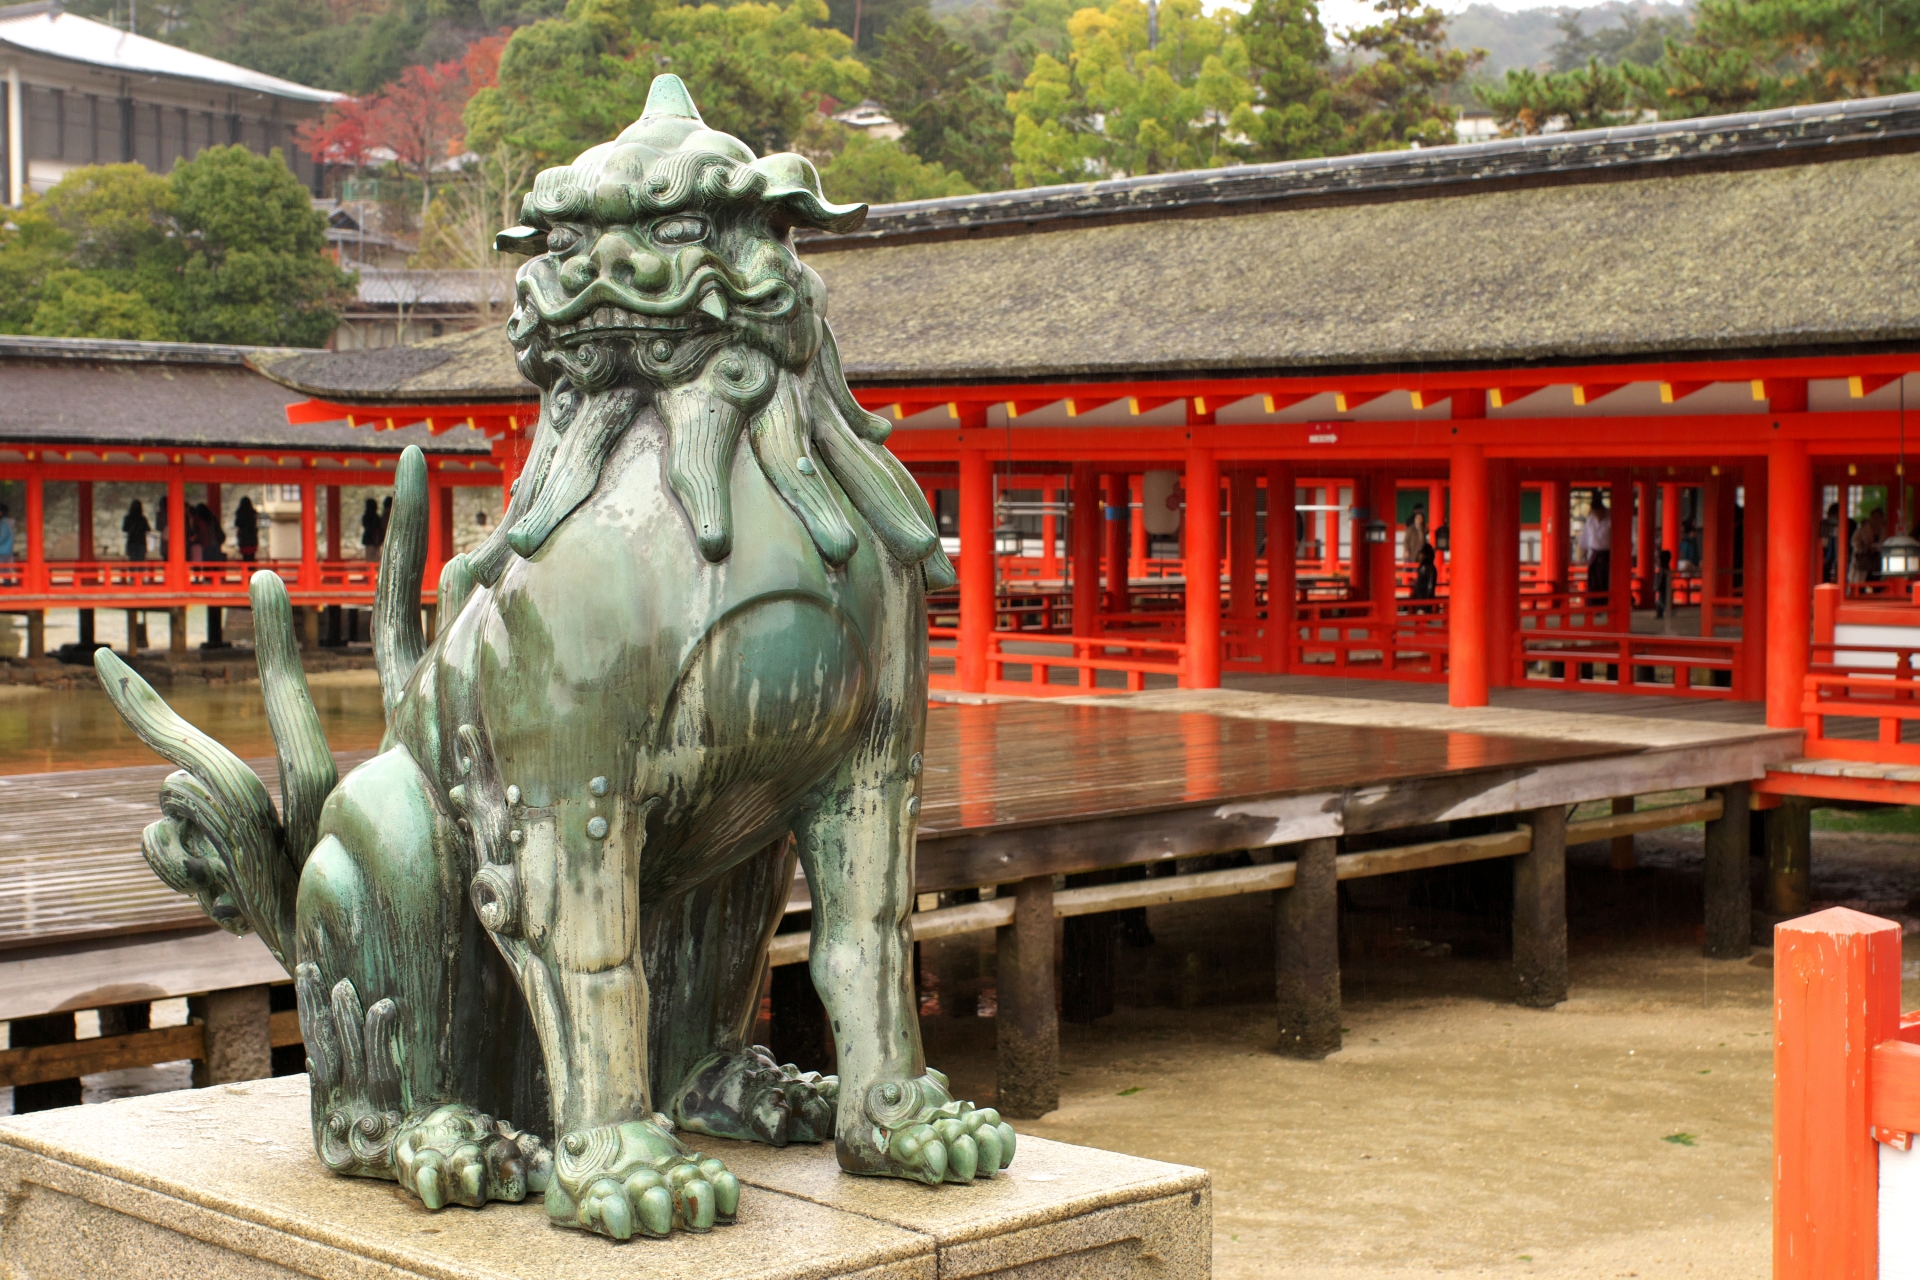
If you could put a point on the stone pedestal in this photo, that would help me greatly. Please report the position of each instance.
(223, 1182)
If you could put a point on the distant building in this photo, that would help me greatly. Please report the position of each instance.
(400, 308)
(871, 119)
(81, 92)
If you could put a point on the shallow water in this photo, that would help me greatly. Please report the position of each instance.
(44, 731)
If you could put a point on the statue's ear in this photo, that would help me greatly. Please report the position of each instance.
(793, 188)
(525, 241)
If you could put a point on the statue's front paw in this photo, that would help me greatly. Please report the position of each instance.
(456, 1155)
(635, 1177)
(752, 1098)
(919, 1131)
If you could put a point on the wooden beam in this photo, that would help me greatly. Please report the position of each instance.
(1862, 385)
(102, 1053)
(1348, 401)
(1674, 392)
(1433, 399)
(1279, 401)
(1585, 393)
(1613, 825)
(1506, 397)
(1137, 405)
(1088, 404)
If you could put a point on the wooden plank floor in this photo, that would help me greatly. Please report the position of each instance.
(1581, 703)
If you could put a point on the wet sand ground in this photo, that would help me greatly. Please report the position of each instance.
(1625, 1133)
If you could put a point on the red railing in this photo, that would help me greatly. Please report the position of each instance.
(1353, 640)
(130, 583)
(1621, 663)
(1041, 656)
(1883, 698)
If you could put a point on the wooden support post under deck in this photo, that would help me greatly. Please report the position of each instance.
(1540, 912)
(238, 1044)
(1306, 926)
(1729, 931)
(1027, 1024)
(1789, 858)
(1203, 571)
(1467, 612)
(31, 1033)
(177, 630)
(37, 633)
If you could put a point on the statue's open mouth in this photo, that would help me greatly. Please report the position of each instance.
(612, 320)
(769, 299)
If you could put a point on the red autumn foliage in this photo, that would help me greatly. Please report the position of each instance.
(416, 117)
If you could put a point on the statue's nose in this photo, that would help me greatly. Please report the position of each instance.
(619, 257)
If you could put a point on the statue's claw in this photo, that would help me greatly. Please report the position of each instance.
(455, 1155)
(750, 1097)
(619, 1180)
(921, 1132)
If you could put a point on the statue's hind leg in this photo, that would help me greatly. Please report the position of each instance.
(417, 1041)
(705, 997)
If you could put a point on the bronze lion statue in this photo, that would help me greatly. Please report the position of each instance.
(528, 937)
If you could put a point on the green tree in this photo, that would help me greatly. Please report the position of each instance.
(81, 304)
(1596, 96)
(1391, 97)
(758, 71)
(1164, 97)
(880, 171)
(1638, 40)
(865, 21)
(32, 248)
(567, 83)
(938, 89)
(255, 268)
(1292, 115)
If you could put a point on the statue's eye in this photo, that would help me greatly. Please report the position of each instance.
(680, 230)
(562, 238)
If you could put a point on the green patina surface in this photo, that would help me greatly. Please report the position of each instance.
(528, 937)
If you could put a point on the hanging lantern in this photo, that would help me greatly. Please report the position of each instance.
(1900, 557)
(1375, 531)
(1443, 538)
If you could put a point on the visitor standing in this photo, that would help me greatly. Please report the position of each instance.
(1596, 536)
(373, 531)
(7, 530)
(1864, 564)
(1415, 537)
(246, 529)
(136, 528)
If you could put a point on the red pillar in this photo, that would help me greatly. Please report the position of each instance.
(1137, 526)
(1503, 562)
(333, 522)
(1049, 533)
(1243, 543)
(445, 512)
(309, 536)
(85, 495)
(1553, 535)
(176, 532)
(1119, 598)
(1083, 545)
(1330, 529)
(1283, 551)
(1620, 563)
(1646, 556)
(33, 529)
(976, 568)
(1203, 570)
(1467, 613)
(1836, 998)
(1382, 556)
(1754, 573)
(1669, 526)
(1791, 499)
(1359, 563)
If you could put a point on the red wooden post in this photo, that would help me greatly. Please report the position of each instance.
(1243, 546)
(1836, 995)
(1119, 597)
(1203, 570)
(1753, 590)
(1503, 562)
(1620, 563)
(977, 568)
(333, 522)
(1137, 544)
(1049, 532)
(1669, 527)
(1792, 499)
(1715, 553)
(309, 536)
(176, 531)
(1646, 556)
(85, 495)
(1283, 552)
(1382, 556)
(1467, 612)
(1330, 525)
(35, 527)
(1083, 546)
(1553, 535)
(1359, 562)
(445, 512)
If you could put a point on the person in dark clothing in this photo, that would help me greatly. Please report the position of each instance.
(1426, 578)
(161, 528)
(213, 538)
(136, 528)
(246, 529)
(373, 531)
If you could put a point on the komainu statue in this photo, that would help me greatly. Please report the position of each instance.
(528, 937)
